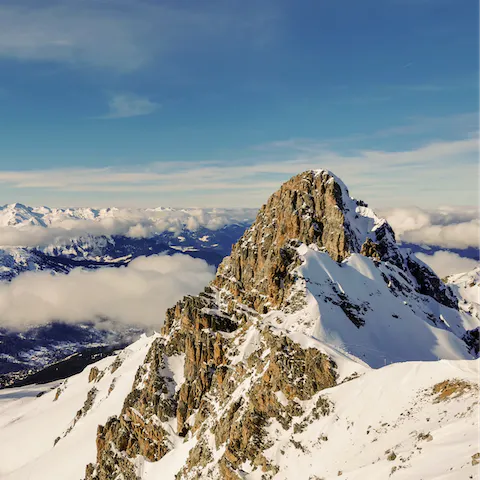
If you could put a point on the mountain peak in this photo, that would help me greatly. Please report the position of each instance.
(17, 206)
(312, 208)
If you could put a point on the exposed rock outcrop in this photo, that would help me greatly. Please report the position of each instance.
(138, 431)
(309, 208)
(429, 284)
(93, 375)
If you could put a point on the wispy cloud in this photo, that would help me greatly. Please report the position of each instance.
(455, 125)
(425, 175)
(58, 33)
(124, 105)
(123, 35)
(452, 124)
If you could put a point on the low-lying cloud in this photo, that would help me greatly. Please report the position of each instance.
(136, 295)
(447, 227)
(62, 226)
(445, 263)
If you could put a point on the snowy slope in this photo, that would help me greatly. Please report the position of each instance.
(397, 409)
(30, 425)
(431, 427)
(393, 409)
(467, 288)
(432, 431)
(351, 306)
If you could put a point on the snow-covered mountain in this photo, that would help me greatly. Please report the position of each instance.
(120, 220)
(58, 240)
(466, 286)
(321, 349)
(406, 420)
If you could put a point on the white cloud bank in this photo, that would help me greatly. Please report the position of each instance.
(445, 263)
(447, 227)
(135, 295)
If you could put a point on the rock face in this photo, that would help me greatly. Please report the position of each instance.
(138, 431)
(273, 395)
(93, 374)
(309, 208)
(313, 208)
(203, 378)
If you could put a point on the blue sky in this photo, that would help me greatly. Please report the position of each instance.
(214, 103)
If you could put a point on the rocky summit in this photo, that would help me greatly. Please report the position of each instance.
(314, 294)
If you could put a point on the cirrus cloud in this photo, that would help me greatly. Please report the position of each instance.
(428, 173)
(126, 35)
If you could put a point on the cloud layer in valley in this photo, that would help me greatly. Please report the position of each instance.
(445, 263)
(447, 227)
(40, 227)
(136, 295)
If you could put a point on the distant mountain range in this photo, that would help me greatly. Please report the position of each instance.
(61, 239)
